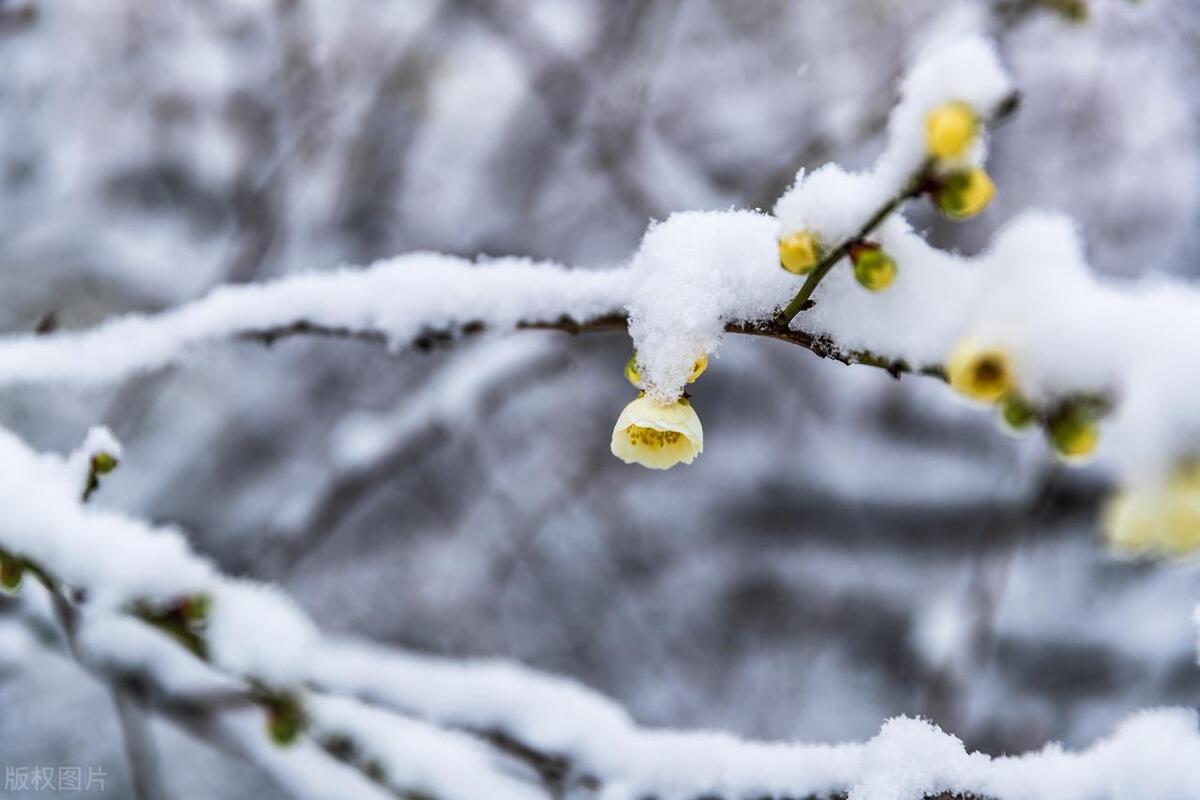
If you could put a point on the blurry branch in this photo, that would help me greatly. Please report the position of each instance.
(425, 420)
(565, 88)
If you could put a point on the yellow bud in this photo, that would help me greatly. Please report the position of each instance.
(981, 373)
(1073, 434)
(631, 371)
(800, 252)
(873, 268)
(965, 193)
(104, 462)
(950, 129)
(698, 368)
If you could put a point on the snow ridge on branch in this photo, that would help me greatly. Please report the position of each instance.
(377, 722)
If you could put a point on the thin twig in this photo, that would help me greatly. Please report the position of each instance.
(915, 186)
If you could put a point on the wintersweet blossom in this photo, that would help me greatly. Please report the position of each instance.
(657, 435)
(1156, 521)
(950, 129)
(981, 373)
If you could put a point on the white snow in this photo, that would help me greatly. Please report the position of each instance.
(367, 691)
(399, 298)
(691, 275)
(422, 757)
(907, 760)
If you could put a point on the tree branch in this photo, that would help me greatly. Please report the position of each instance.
(432, 338)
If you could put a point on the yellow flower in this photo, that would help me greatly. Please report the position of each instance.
(632, 374)
(873, 268)
(698, 367)
(800, 252)
(981, 373)
(1073, 434)
(950, 129)
(1130, 522)
(965, 193)
(1162, 520)
(657, 435)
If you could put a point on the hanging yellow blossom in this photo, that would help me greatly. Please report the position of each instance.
(657, 435)
(950, 130)
(698, 367)
(981, 373)
(1156, 521)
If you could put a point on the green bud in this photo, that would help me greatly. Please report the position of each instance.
(12, 570)
(1073, 433)
(873, 268)
(1017, 413)
(104, 463)
(196, 608)
(285, 719)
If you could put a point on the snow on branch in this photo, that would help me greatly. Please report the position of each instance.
(331, 718)
(1025, 326)
(394, 301)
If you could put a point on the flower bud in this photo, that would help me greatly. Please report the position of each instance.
(12, 570)
(950, 129)
(800, 252)
(1016, 412)
(196, 609)
(104, 462)
(285, 719)
(698, 367)
(631, 371)
(981, 373)
(1073, 433)
(873, 268)
(965, 193)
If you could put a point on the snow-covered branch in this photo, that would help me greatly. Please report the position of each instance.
(858, 285)
(334, 718)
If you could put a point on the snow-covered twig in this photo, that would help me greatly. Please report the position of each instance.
(385, 713)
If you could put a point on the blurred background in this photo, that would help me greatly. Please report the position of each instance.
(847, 549)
